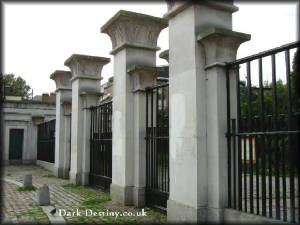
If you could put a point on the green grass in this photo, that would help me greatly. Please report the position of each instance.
(37, 167)
(37, 214)
(96, 201)
(26, 189)
(156, 216)
(8, 174)
(49, 176)
(70, 186)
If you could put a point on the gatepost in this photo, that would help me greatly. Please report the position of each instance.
(134, 41)
(200, 41)
(86, 76)
(63, 101)
(143, 77)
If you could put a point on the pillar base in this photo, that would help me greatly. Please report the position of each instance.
(139, 197)
(215, 215)
(75, 178)
(62, 173)
(85, 179)
(178, 212)
(123, 195)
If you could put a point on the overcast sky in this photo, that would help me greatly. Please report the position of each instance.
(38, 38)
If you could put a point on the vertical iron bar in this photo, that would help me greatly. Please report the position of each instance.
(156, 140)
(163, 145)
(152, 147)
(167, 158)
(290, 147)
(234, 163)
(245, 173)
(147, 142)
(250, 130)
(262, 145)
(237, 71)
(283, 176)
(277, 157)
(270, 167)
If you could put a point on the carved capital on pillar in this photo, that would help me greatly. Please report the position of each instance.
(130, 29)
(143, 76)
(85, 66)
(221, 45)
(62, 79)
(164, 55)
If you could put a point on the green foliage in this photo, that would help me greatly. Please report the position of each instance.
(281, 91)
(26, 189)
(295, 82)
(96, 201)
(49, 176)
(70, 186)
(18, 84)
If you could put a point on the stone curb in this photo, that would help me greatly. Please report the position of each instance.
(12, 181)
(54, 219)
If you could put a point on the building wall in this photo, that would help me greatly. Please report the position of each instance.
(24, 115)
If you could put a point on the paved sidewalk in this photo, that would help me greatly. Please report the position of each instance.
(21, 206)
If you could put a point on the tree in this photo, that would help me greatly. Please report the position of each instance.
(18, 85)
(295, 82)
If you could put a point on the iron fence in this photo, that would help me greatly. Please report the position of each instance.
(46, 141)
(157, 146)
(263, 134)
(101, 145)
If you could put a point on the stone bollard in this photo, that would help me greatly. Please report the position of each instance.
(28, 181)
(43, 195)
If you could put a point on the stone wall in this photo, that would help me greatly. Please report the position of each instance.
(24, 115)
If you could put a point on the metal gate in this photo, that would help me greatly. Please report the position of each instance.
(157, 146)
(263, 133)
(46, 141)
(101, 146)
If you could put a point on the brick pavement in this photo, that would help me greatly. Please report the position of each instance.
(22, 206)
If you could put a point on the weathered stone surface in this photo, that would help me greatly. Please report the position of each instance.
(221, 44)
(62, 79)
(86, 66)
(134, 39)
(130, 29)
(197, 119)
(165, 55)
(63, 101)
(24, 115)
(28, 181)
(86, 78)
(43, 195)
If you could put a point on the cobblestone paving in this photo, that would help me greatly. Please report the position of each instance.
(21, 206)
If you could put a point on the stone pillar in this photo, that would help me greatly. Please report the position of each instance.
(86, 76)
(197, 92)
(134, 41)
(142, 76)
(63, 96)
(220, 46)
(67, 143)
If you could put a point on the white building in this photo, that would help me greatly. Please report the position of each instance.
(19, 129)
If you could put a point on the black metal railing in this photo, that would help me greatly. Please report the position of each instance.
(157, 146)
(101, 145)
(263, 134)
(46, 141)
